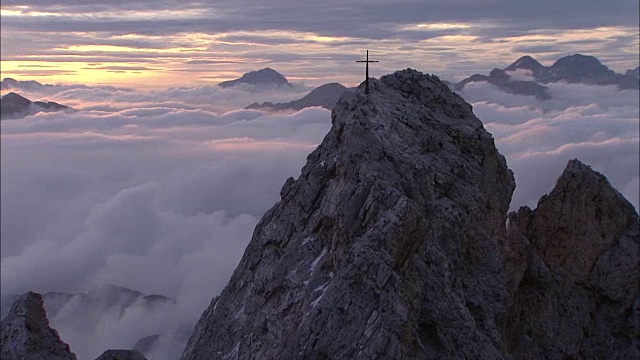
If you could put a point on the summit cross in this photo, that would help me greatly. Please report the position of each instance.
(366, 79)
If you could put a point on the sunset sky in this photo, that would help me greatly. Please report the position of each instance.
(161, 43)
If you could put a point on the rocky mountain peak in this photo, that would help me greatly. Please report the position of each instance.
(26, 333)
(573, 268)
(580, 65)
(527, 63)
(16, 100)
(386, 246)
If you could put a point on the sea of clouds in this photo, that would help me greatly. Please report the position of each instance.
(159, 191)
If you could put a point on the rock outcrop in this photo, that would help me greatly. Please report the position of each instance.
(573, 269)
(387, 245)
(121, 355)
(26, 334)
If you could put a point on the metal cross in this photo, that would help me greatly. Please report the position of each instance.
(366, 79)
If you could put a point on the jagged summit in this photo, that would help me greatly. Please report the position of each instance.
(26, 333)
(385, 246)
(573, 269)
(263, 77)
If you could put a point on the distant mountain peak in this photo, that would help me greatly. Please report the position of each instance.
(325, 96)
(581, 65)
(14, 106)
(633, 72)
(526, 62)
(574, 69)
(29, 85)
(263, 77)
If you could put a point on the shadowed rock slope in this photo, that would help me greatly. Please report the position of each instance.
(26, 334)
(573, 272)
(387, 245)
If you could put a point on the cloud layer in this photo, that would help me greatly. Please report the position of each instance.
(596, 124)
(159, 191)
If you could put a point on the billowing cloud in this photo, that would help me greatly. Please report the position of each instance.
(599, 125)
(160, 190)
(157, 195)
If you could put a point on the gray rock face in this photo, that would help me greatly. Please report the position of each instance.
(573, 269)
(121, 355)
(26, 334)
(386, 247)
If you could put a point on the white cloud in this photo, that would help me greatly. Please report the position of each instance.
(597, 124)
(155, 196)
(160, 191)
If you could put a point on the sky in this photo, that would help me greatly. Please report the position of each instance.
(162, 43)
(157, 179)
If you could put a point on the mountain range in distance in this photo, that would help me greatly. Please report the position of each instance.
(576, 69)
(573, 69)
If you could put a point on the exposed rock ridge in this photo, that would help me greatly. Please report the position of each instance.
(26, 334)
(573, 269)
(387, 245)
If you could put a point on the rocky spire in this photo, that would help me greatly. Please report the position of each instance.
(573, 269)
(26, 334)
(386, 246)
